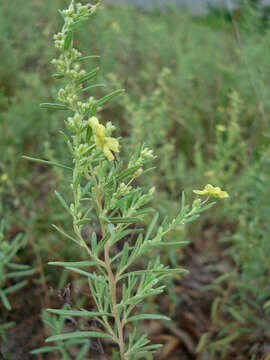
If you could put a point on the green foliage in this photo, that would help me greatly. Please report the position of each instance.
(10, 270)
(55, 324)
(103, 189)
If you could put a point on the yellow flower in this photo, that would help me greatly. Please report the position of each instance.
(4, 177)
(220, 109)
(221, 128)
(210, 190)
(208, 173)
(104, 143)
(98, 129)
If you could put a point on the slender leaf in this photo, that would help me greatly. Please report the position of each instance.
(87, 58)
(109, 97)
(68, 40)
(74, 263)
(85, 273)
(43, 350)
(147, 317)
(88, 76)
(66, 235)
(50, 106)
(78, 335)
(80, 313)
(53, 163)
(5, 300)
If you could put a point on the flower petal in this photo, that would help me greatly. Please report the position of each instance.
(113, 144)
(108, 153)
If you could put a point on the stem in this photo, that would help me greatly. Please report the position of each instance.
(112, 286)
(111, 278)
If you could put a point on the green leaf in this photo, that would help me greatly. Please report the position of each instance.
(102, 243)
(44, 349)
(168, 244)
(18, 266)
(85, 273)
(123, 220)
(21, 273)
(87, 58)
(93, 241)
(225, 341)
(7, 326)
(76, 25)
(123, 175)
(88, 76)
(224, 277)
(62, 201)
(15, 287)
(68, 40)
(202, 342)
(190, 219)
(51, 106)
(236, 315)
(81, 313)
(147, 317)
(83, 352)
(5, 300)
(83, 221)
(66, 235)
(89, 132)
(214, 308)
(74, 263)
(57, 76)
(165, 271)
(151, 226)
(46, 162)
(78, 335)
(67, 140)
(93, 86)
(124, 257)
(108, 97)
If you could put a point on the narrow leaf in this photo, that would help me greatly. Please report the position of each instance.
(93, 87)
(15, 287)
(74, 263)
(57, 76)
(81, 313)
(5, 300)
(62, 201)
(123, 220)
(51, 106)
(151, 226)
(66, 235)
(43, 350)
(147, 317)
(46, 162)
(68, 40)
(108, 97)
(78, 335)
(88, 76)
(87, 58)
(85, 273)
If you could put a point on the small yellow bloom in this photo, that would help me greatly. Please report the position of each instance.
(208, 173)
(99, 129)
(4, 177)
(221, 128)
(210, 190)
(104, 143)
(220, 109)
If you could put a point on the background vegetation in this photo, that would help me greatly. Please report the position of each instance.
(198, 93)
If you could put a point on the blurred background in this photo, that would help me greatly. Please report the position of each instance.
(197, 77)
